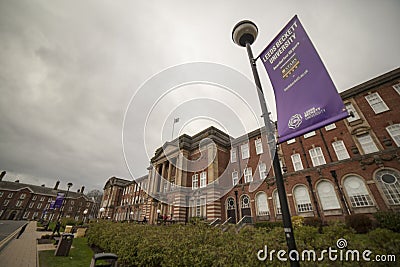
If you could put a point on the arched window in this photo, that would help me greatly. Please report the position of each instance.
(262, 204)
(388, 181)
(230, 203)
(277, 202)
(357, 192)
(327, 196)
(302, 198)
(245, 203)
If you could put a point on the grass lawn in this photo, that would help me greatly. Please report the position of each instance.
(79, 255)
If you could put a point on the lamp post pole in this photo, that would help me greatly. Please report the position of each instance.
(244, 34)
(64, 200)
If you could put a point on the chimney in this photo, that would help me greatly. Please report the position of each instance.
(83, 188)
(16, 181)
(56, 186)
(43, 185)
(78, 190)
(3, 173)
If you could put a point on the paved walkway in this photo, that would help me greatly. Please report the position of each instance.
(21, 252)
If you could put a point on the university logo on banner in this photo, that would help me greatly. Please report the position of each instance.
(59, 200)
(306, 98)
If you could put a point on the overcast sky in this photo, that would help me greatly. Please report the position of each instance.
(69, 69)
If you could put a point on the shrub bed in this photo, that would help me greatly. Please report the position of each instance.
(201, 245)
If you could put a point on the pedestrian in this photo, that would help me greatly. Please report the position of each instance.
(22, 230)
(57, 228)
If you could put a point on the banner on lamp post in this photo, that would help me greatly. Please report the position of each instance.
(59, 200)
(306, 98)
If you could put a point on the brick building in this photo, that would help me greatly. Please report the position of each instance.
(19, 201)
(351, 166)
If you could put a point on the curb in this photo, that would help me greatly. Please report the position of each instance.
(6, 240)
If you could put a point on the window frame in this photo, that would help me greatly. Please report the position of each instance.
(203, 179)
(376, 103)
(259, 146)
(319, 155)
(366, 146)
(395, 137)
(341, 152)
(248, 175)
(195, 181)
(294, 163)
(245, 151)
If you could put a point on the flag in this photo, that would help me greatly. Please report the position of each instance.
(176, 120)
(306, 98)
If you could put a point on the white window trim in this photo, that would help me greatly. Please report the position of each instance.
(296, 158)
(235, 176)
(291, 141)
(350, 108)
(396, 87)
(259, 146)
(233, 155)
(379, 106)
(248, 175)
(262, 168)
(245, 149)
(319, 158)
(367, 147)
(310, 134)
(330, 127)
(195, 180)
(392, 129)
(340, 150)
(203, 179)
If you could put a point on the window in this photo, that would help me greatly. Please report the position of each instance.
(394, 132)
(302, 199)
(357, 192)
(245, 151)
(165, 187)
(317, 157)
(39, 205)
(330, 127)
(1, 194)
(6, 202)
(70, 209)
(233, 155)
(262, 204)
(230, 203)
(50, 199)
(396, 87)
(203, 179)
(31, 204)
(22, 196)
(263, 170)
(367, 143)
(307, 135)
(34, 197)
(235, 178)
(259, 147)
(245, 203)
(291, 141)
(388, 181)
(26, 215)
(10, 195)
(376, 103)
(297, 164)
(35, 214)
(195, 180)
(248, 177)
(47, 206)
(327, 196)
(340, 150)
(19, 203)
(277, 202)
(72, 202)
(350, 108)
(42, 199)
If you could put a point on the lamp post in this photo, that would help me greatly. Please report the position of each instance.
(84, 215)
(244, 34)
(64, 200)
(101, 212)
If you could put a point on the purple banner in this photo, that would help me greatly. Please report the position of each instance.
(306, 98)
(52, 205)
(59, 200)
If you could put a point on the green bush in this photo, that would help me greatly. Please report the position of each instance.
(389, 220)
(268, 225)
(312, 221)
(361, 223)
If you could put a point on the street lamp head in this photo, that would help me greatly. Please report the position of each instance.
(69, 185)
(102, 209)
(244, 32)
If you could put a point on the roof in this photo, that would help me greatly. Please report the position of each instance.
(40, 190)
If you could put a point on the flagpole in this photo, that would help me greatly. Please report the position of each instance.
(173, 127)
